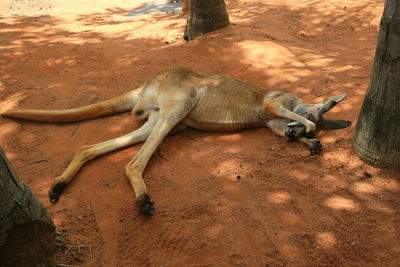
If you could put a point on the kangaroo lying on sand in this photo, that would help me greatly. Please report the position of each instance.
(177, 98)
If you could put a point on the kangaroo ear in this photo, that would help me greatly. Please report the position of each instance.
(331, 102)
(329, 124)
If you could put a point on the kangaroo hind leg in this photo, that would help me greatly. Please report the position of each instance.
(87, 153)
(171, 113)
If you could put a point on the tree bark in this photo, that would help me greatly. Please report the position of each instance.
(205, 16)
(376, 139)
(26, 230)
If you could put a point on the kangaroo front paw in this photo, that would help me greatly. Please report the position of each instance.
(310, 131)
(146, 206)
(290, 133)
(316, 147)
(293, 131)
(55, 191)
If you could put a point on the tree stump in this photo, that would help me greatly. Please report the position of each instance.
(26, 230)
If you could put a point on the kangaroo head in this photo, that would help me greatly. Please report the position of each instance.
(314, 113)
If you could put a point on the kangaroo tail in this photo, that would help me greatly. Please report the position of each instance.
(115, 105)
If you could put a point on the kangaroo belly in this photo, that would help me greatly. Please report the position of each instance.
(221, 125)
(226, 109)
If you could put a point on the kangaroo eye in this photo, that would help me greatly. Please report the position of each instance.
(139, 112)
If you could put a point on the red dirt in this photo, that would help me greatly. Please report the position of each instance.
(288, 208)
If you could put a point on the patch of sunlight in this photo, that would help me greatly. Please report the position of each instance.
(10, 155)
(266, 53)
(53, 62)
(227, 169)
(331, 183)
(391, 185)
(233, 149)
(299, 175)
(341, 203)
(274, 59)
(7, 128)
(213, 231)
(123, 123)
(326, 240)
(319, 29)
(127, 60)
(303, 90)
(349, 85)
(345, 68)
(280, 197)
(316, 21)
(289, 251)
(320, 62)
(231, 186)
(228, 137)
(362, 187)
(303, 73)
(18, 43)
(10, 102)
(4, 47)
(329, 139)
(354, 163)
(298, 64)
(199, 155)
(379, 206)
(291, 218)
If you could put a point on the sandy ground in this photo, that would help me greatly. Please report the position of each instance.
(288, 208)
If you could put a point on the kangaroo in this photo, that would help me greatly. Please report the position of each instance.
(178, 98)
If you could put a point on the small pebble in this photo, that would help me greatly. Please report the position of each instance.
(353, 243)
(238, 177)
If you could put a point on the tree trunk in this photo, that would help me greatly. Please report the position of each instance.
(205, 16)
(26, 230)
(376, 139)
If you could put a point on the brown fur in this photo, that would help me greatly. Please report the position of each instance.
(177, 98)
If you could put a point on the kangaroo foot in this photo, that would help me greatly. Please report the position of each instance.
(146, 206)
(55, 191)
